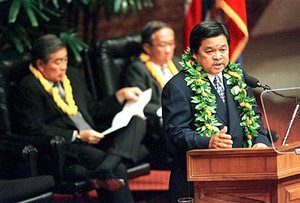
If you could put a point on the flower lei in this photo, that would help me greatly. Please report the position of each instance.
(205, 101)
(146, 59)
(69, 107)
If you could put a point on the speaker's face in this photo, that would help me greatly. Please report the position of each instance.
(213, 54)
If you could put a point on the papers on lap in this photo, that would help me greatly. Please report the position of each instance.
(129, 110)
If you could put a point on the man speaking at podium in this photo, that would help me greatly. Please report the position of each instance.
(208, 105)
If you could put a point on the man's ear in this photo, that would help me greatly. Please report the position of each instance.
(40, 65)
(195, 56)
(147, 48)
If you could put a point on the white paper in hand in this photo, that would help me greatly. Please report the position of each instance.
(130, 109)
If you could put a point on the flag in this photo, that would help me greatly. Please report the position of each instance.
(235, 20)
(235, 11)
(193, 16)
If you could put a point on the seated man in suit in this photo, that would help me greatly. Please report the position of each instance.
(54, 101)
(208, 105)
(156, 65)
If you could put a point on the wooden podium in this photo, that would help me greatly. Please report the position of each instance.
(245, 175)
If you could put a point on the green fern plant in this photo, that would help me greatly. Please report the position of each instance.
(22, 21)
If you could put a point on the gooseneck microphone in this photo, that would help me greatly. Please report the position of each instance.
(254, 82)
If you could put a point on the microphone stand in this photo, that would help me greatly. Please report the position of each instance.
(253, 82)
(290, 125)
(295, 114)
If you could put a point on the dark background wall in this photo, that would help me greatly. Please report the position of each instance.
(169, 11)
(273, 50)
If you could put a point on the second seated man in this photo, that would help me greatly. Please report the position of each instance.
(156, 65)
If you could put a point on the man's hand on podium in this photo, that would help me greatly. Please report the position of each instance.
(220, 140)
(259, 145)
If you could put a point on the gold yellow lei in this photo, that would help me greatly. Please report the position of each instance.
(69, 107)
(146, 59)
(205, 102)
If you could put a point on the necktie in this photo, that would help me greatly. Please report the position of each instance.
(80, 122)
(60, 89)
(219, 87)
(78, 119)
(55, 84)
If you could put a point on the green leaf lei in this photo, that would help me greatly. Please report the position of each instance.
(205, 102)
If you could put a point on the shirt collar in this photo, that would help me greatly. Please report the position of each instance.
(211, 77)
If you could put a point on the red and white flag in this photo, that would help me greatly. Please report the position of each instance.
(235, 18)
(236, 22)
(193, 16)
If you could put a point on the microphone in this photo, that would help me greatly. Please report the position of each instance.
(254, 82)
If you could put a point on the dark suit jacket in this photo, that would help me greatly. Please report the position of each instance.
(178, 116)
(138, 75)
(39, 115)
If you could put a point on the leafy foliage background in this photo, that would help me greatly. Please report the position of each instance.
(23, 21)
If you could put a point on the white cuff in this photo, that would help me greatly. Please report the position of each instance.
(75, 135)
(159, 112)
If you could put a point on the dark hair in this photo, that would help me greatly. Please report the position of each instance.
(150, 28)
(206, 29)
(44, 46)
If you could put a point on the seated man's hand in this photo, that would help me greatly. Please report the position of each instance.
(90, 136)
(220, 140)
(128, 93)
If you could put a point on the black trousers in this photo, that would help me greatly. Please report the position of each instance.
(126, 142)
(179, 186)
(83, 159)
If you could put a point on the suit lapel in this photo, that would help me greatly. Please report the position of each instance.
(79, 102)
(64, 116)
(233, 114)
(229, 118)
